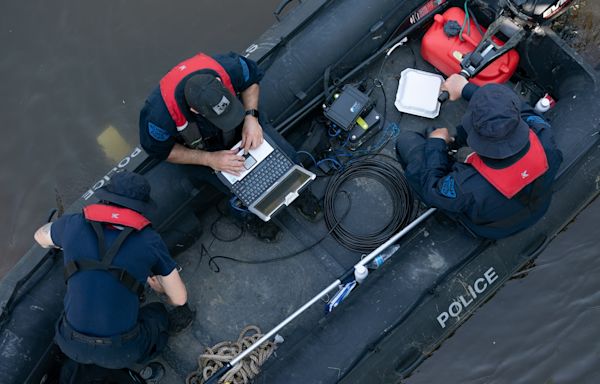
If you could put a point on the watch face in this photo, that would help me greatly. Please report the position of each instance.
(252, 112)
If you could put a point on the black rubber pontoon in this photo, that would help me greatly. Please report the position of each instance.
(404, 309)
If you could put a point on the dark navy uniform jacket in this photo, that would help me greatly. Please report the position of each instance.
(96, 303)
(158, 132)
(461, 191)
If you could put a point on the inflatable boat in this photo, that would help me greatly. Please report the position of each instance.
(336, 327)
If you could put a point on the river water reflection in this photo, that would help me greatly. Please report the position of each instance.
(74, 76)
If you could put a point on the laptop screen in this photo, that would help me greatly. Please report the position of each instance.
(275, 198)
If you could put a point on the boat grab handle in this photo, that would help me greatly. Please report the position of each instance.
(280, 8)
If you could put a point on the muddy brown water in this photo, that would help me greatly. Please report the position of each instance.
(579, 26)
(74, 76)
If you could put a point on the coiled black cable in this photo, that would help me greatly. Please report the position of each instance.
(392, 179)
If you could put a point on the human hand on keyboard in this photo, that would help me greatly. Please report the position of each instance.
(226, 161)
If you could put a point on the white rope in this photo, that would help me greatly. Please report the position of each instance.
(217, 356)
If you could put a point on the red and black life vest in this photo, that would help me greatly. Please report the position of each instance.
(96, 215)
(169, 83)
(512, 179)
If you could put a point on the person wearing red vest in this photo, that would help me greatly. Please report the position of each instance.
(110, 254)
(501, 180)
(200, 110)
(192, 116)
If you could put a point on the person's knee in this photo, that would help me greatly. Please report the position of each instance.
(155, 312)
(406, 143)
(154, 322)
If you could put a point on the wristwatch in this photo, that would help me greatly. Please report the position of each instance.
(252, 112)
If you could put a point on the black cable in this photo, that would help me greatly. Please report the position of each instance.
(393, 180)
(215, 233)
(476, 22)
(222, 215)
(215, 267)
(328, 94)
(290, 121)
(379, 83)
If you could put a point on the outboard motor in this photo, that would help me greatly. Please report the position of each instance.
(538, 11)
(514, 19)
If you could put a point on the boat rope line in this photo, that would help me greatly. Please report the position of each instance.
(216, 376)
(217, 356)
(24, 284)
(22, 287)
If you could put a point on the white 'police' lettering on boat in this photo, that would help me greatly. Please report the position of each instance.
(251, 49)
(478, 287)
(120, 166)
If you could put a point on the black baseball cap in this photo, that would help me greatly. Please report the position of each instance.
(129, 190)
(493, 122)
(207, 95)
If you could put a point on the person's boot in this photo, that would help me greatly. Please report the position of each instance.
(267, 232)
(180, 318)
(308, 206)
(153, 372)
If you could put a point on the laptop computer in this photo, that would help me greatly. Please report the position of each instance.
(269, 181)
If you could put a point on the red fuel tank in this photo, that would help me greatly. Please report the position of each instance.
(445, 53)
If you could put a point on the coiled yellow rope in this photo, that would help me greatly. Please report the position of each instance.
(215, 357)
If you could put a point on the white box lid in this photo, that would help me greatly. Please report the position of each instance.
(418, 93)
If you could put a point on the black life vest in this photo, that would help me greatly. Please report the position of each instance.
(96, 215)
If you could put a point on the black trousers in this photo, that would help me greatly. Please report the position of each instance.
(143, 342)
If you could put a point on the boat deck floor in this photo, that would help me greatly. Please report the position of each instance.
(264, 294)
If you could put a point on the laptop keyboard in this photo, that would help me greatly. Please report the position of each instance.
(262, 177)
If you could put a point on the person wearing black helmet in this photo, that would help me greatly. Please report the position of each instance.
(499, 183)
(110, 253)
(200, 110)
